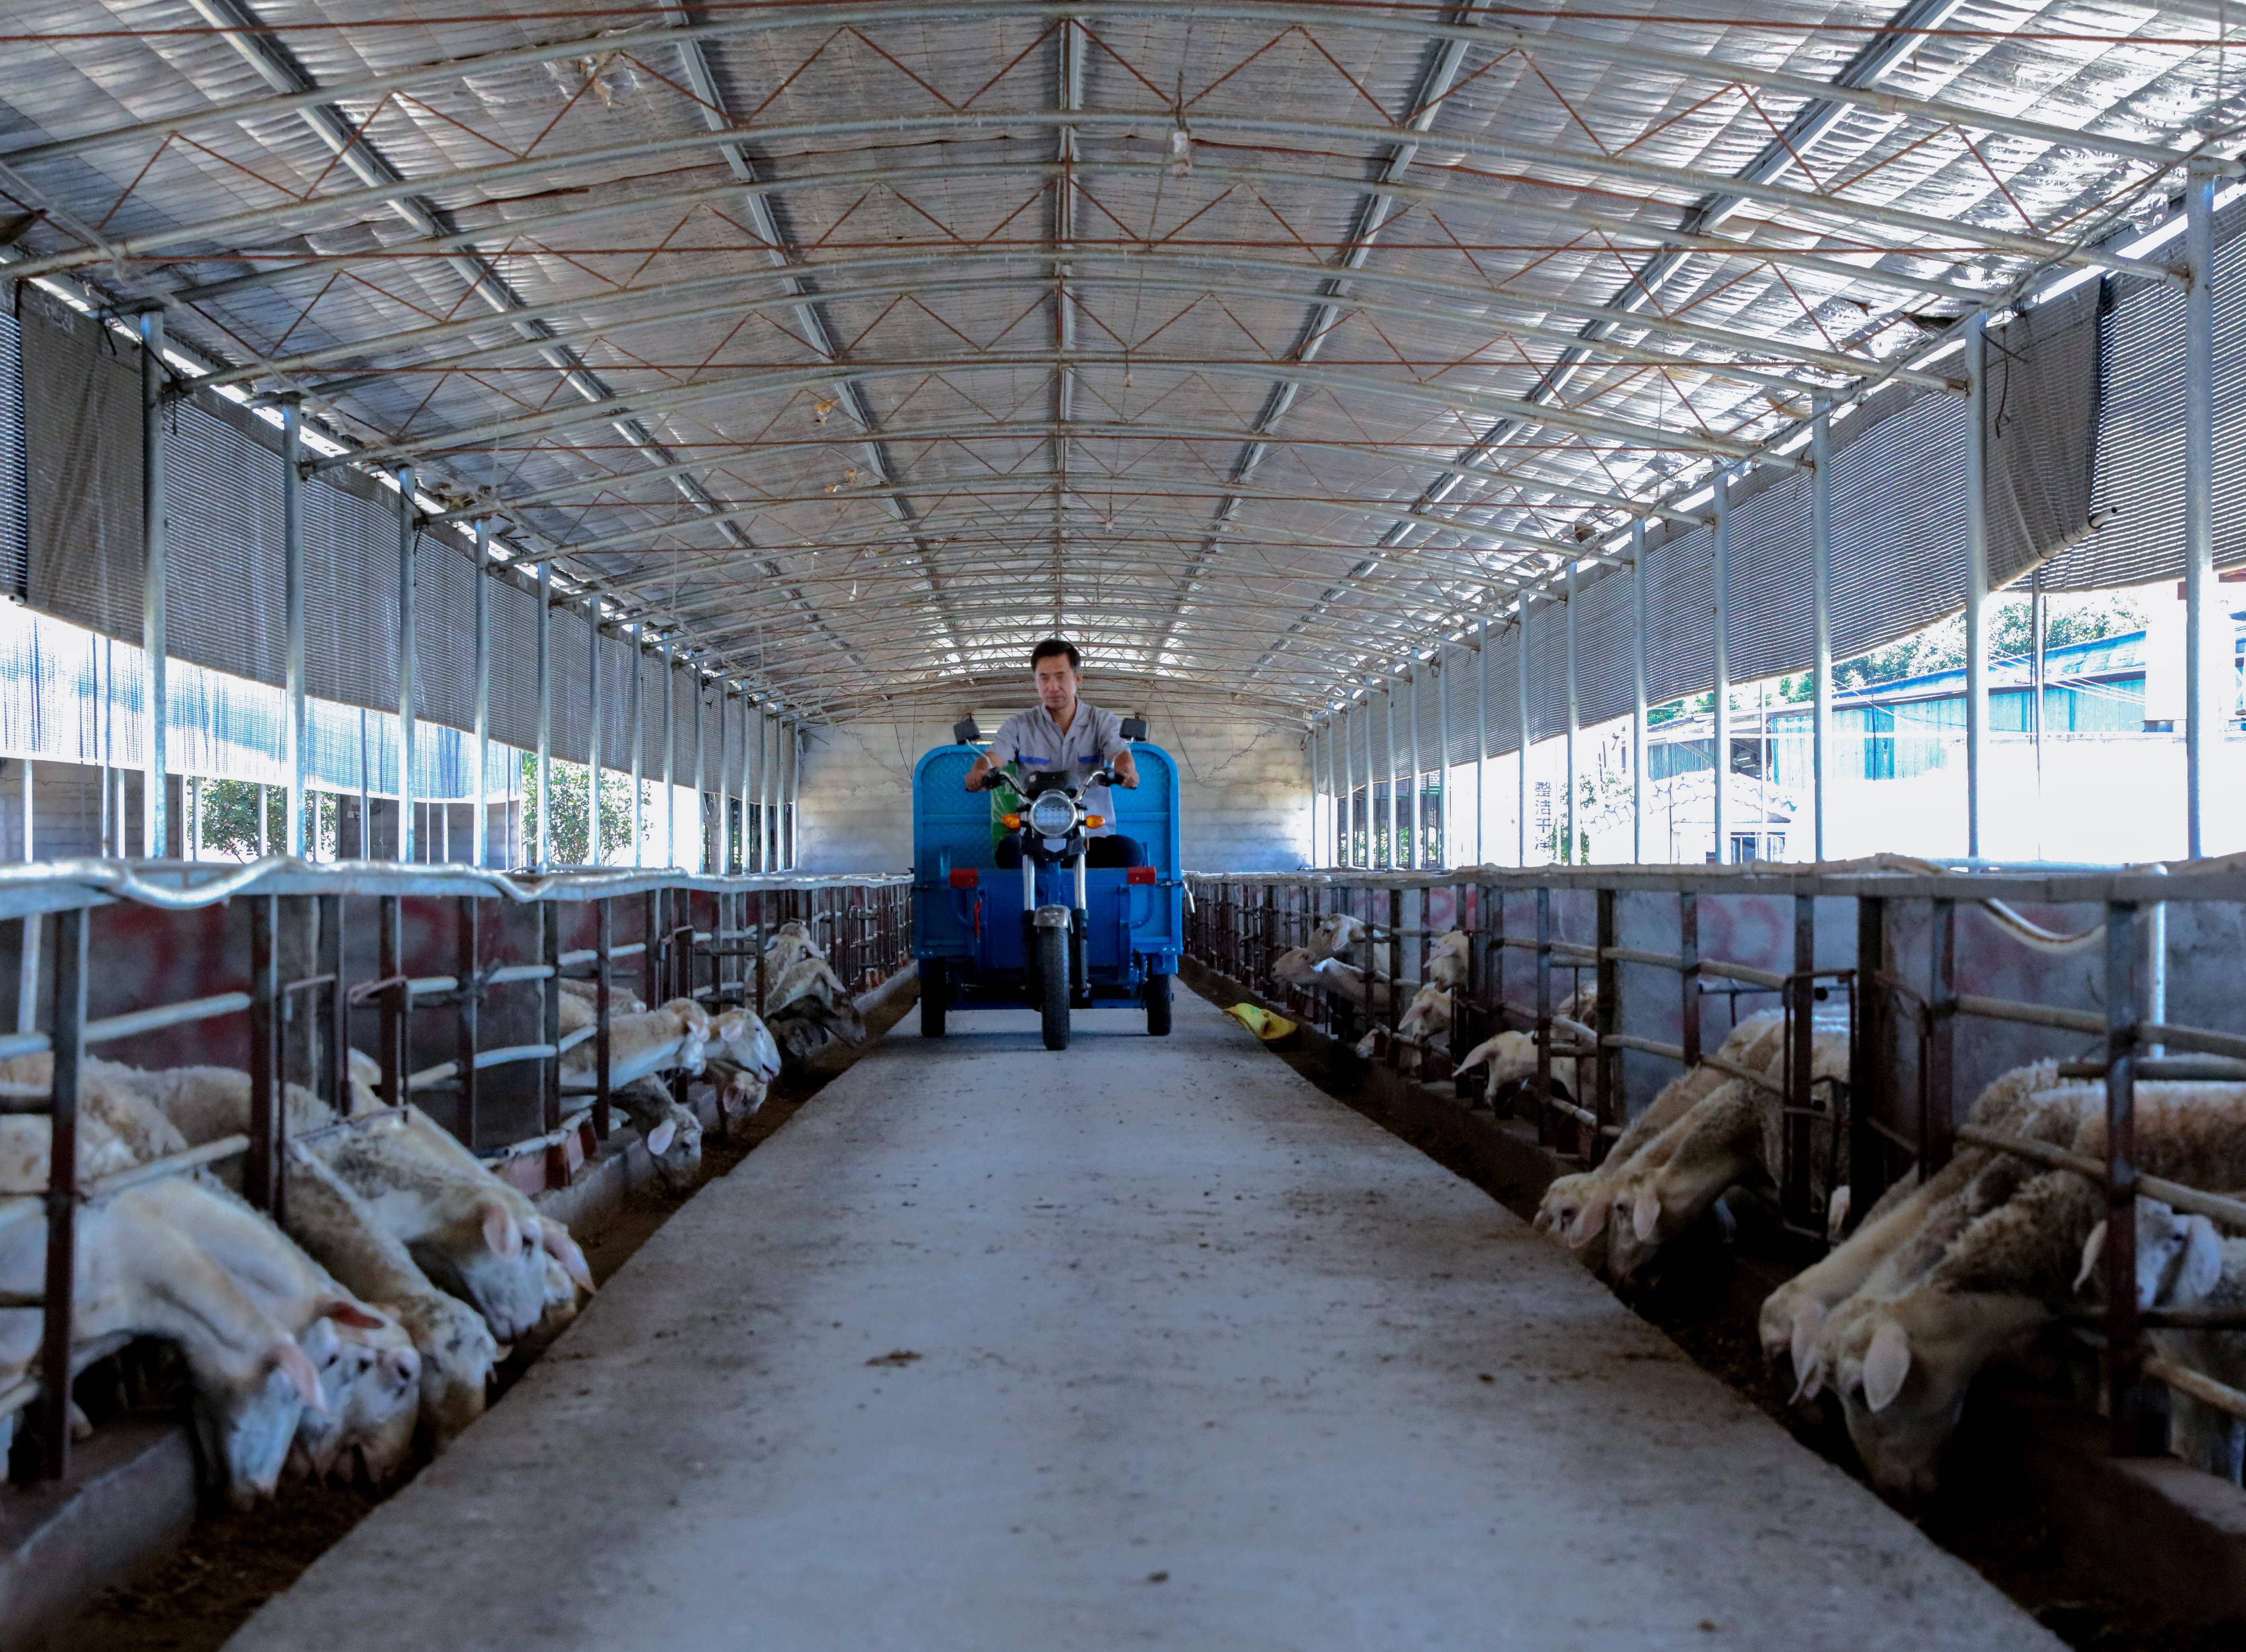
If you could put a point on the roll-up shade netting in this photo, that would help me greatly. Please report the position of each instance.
(71, 396)
(2084, 412)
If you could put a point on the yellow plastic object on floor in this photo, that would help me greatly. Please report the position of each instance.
(1261, 1021)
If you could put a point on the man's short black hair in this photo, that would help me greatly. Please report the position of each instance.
(1052, 646)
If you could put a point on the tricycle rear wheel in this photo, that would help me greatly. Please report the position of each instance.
(933, 997)
(1052, 977)
(1156, 993)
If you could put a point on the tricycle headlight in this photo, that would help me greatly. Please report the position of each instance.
(1053, 815)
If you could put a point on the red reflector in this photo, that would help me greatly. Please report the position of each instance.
(1140, 874)
(965, 877)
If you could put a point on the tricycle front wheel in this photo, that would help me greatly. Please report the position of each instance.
(1052, 977)
(1156, 993)
(934, 995)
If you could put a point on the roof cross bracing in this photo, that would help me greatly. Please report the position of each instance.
(1255, 344)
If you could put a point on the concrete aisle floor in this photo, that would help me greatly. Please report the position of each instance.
(1147, 1343)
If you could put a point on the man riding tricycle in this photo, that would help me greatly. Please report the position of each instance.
(1071, 802)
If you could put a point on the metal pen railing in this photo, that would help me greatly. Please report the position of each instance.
(1892, 1024)
(290, 901)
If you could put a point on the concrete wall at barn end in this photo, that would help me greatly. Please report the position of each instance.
(1246, 791)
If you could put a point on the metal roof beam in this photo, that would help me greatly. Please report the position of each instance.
(1757, 243)
(1625, 432)
(1498, 37)
(1090, 430)
(329, 210)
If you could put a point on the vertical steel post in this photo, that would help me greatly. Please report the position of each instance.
(542, 858)
(155, 570)
(1688, 975)
(1521, 673)
(66, 1034)
(482, 830)
(724, 796)
(638, 754)
(1574, 847)
(1638, 715)
(1977, 574)
(468, 1015)
(2209, 701)
(1937, 1121)
(1345, 829)
(670, 758)
(1820, 554)
(749, 780)
(1442, 857)
(1481, 739)
(603, 988)
(2124, 1351)
(1388, 766)
(298, 731)
(1611, 1108)
(1721, 733)
(365, 793)
(1544, 1010)
(594, 712)
(408, 661)
(1797, 1186)
(1872, 1063)
(699, 814)
(260, 1170)
(549, 1033)
(1419, 856)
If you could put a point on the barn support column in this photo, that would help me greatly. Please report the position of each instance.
(1820, 553)
(543, 857)
(155, 570)
(794, 784)
(481, 831)
(1344, 820)
(724, 792)
(748, 795)
(638, 751)
(1722, 730)
(1521, 703)
(2208, 698)
(408, 693)
(1419, 805)
(1977, 575)
(1371, 799)
(297, 734)
(1571, 848)
(593, 729)
(1388, 766)
(670, 758)
(1637, 717)
(700, 813)
(1443, 754)
(1482, 737)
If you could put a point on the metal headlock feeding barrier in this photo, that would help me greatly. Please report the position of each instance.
(1886, 948)
(689, 936)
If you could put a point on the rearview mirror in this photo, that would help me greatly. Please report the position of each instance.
(965, 732)
(1135, 728)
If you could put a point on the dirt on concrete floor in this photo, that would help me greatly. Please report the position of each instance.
(232, 1562)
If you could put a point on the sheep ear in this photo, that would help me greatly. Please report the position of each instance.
(2201, 1268)
(1645, 1216)
(1808, 1326)
(292, 1362)
(659, 1138)
(352, 1313)
(2092, 1248)
(1886, 1364)
(564, 1249)
(1590, 1223)
(500, 1231)
(1811, 1381)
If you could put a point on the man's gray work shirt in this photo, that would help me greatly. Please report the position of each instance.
(1034, 740)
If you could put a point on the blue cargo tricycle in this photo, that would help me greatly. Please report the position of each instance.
(1006, 910)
